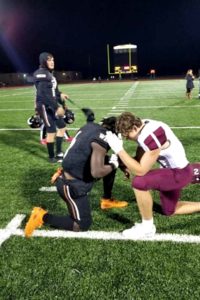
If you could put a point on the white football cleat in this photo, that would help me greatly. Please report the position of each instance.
(139, 231)
(59, 155)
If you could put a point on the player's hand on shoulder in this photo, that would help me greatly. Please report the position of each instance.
(114, 141)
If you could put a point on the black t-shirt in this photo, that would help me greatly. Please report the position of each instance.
(77, 157)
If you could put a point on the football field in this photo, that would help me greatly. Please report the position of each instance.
(98, 264)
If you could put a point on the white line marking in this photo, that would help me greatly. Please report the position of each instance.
(28, 129)
(48, 189)
(117, 112)
(124, 100)
(16, 109)
(111, 235)
(12, 229)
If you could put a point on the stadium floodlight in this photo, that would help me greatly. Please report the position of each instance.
(126, 47)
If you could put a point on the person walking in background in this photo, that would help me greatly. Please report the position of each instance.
(50, 104)
(189, 83)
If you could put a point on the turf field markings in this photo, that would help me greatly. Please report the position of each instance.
(16, 109)
(75, 129)
(165, 106)
(48, 189)
(29, 129)
(12, 230)
(123, 101)
(119, 105)
(17, 94)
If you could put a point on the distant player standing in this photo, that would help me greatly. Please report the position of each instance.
(189, 83)
(49, 104)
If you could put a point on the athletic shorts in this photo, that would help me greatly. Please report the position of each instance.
(169, 182)
(51, 122)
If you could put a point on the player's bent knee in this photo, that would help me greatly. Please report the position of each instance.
(139, 183)
(168, 212)
(85, 224)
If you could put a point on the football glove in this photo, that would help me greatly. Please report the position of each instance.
(114, 161)
(115, 142)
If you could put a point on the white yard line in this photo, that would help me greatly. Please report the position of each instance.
(27, 129)
(123, 101)
(75, 129)
(119, 105)
(12, 229)
(16, 109)
(48, 189)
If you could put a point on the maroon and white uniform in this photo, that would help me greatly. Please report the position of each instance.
(175, 172)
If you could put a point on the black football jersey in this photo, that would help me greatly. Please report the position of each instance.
(77, 157)
(47, 92)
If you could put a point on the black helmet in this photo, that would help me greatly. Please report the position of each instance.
(34, 121)
(69, 117)
(89, 114)
(109, 123)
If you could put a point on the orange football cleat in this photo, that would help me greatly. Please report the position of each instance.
(112, 203)
(35, 221)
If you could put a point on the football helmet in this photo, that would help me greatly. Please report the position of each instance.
(89, 114)
(69, 117)
(34, 121)
(109, 123)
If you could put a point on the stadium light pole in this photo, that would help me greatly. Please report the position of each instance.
(129, 53)
(108, 58)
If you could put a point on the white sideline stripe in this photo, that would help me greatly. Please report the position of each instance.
(75, 129)
(109, 235)
(28, 129)
(48, 189)
(16, 109)
(12, 229)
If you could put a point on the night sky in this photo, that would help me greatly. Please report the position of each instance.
(76, 32)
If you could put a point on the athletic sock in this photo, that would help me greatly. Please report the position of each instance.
(147, 223)
(59, 140)
(50, 148)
